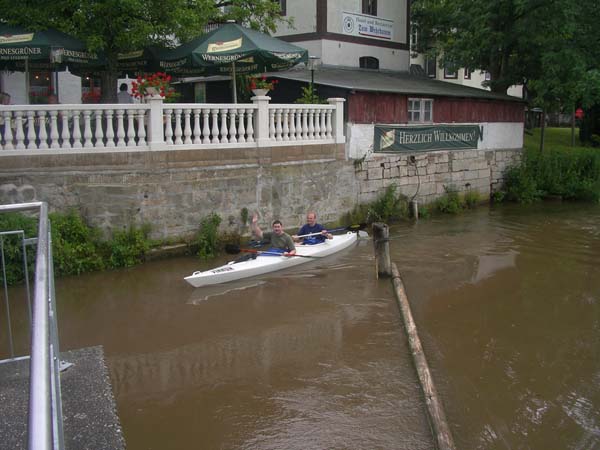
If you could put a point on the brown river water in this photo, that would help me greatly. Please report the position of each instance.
(506, 301)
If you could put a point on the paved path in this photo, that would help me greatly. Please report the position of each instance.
(90, 417)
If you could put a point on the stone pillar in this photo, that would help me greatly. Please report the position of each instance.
(156, 130)
(261, 120)
(338, 119)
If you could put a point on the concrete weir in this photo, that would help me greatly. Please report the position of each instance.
(89, 409)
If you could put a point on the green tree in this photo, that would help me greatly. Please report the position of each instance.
(506, 38)
(121, 26)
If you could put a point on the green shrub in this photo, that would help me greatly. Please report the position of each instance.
(129, 247)
(309, 97)
(450, 202)
(208, 236)
(471, 199)
(387, 207)
(75, 246)
(560, 170)
(12, 245)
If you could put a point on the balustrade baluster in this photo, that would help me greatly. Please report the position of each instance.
(178, 130)
(31, 134)
(292, 125)
(65, 132)
(298, 124)
(286, 127)
(141, 129)
(317, 124)
(168, 127)
(110, 132)
(187, 129)
(232, 126)
(131, 128)
(323, 125)
(8, 134)
(215, 126)
(54, 129)
(77, 130)
(197, 130)
(42, 133)
(205, 126)
(242, 126)
(305, 124)
(271, 124)
(224, 139)
(99, 133)
(250, 127)
(278, 127)
(329, 127)
(120, 128)
(311, 124)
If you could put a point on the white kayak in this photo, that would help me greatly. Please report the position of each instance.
(268, 263)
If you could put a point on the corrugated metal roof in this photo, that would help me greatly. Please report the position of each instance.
(384, 81)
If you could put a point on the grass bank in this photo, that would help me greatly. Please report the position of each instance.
(570, 173)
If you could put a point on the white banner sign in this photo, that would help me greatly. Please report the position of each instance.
(367, 26)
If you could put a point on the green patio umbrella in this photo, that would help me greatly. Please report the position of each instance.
(22, 50)
(231, 49)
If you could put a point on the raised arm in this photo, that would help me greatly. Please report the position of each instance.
(255, 228)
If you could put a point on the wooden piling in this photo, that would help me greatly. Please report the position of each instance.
(435, 410)
(381, 244)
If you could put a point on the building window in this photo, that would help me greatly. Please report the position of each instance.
(420, 110)
(467, 74)
(430, 67)
(487, 76)
(282, 5)
(450, 73)
(368, 62)
(369, 7)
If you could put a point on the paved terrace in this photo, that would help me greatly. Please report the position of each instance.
(89, 409)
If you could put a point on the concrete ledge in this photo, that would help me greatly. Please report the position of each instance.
(89, 409)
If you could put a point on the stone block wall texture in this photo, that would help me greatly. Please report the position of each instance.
(429, 175)
(173, 190)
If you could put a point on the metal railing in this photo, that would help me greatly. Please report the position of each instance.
(45, 421)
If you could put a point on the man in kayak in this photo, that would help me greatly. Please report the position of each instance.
(280, 241)
(310, 227)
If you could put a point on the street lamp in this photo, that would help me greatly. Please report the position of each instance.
(312, 61)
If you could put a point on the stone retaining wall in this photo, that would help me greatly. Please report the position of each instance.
(173, 190)
(428, 175)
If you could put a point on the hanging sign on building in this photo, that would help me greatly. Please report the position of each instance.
(389, 138)
(367, 26)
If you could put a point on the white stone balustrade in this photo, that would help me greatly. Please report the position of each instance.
(155, 125)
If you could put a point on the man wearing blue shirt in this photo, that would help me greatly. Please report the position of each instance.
(311, 226)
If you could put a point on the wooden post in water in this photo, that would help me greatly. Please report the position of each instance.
(437, 418)
(381, 245)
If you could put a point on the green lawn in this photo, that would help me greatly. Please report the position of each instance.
(555, 138)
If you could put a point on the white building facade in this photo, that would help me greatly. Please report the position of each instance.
(371, 34)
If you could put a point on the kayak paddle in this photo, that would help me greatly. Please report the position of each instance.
(233, 249)
(357, 227)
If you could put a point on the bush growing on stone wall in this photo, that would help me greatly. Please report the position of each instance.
(207, 239)
(387, 207)
(450, 202)
(76, 247)
(129, 247)
(13, 252)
